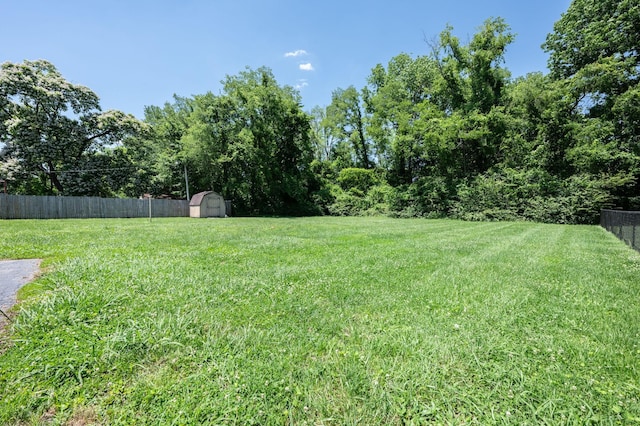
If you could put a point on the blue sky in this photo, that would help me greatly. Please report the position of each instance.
(140, 52)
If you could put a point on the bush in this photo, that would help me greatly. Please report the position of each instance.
(348, 203)
(355, 202)
(431, 195)
(533, 195)
(323, 198)
(377, 200)
(361, 179)
(488, 197)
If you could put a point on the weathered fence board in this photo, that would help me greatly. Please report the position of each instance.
(50, 207)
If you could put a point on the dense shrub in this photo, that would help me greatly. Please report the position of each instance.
(361, 179)
(507, 194)
(348, 203)
(531, 195)
(355, 202)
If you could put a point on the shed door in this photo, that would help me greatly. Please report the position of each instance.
(214, 206)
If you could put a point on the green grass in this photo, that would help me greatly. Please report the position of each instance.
(322, 321)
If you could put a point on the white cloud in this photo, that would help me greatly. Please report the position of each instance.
(295, 53)
(302, 83)
(306, 67)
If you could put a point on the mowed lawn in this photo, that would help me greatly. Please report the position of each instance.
(321, 321)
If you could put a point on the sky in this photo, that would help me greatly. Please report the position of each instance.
(135, 53)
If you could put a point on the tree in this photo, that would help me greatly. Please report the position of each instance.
(251, 143)
(53, 128)
(471, 91)
(539, 128)
(472, 76)
(595, 46)
(592, 30)
(594, 51)
(403, 115)
(442, 114)
(346, 116)
(322, 135)
(159, 154)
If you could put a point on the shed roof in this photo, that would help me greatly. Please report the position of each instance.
(196, 200)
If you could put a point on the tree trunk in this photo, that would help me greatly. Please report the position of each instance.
(53, 176)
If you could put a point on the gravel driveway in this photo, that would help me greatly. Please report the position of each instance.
(13, 275)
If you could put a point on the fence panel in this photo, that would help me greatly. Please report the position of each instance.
(623, 224)
(50, 207)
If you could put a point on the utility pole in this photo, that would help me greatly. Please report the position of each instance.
(186, 180)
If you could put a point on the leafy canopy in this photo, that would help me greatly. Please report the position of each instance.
(53, 129)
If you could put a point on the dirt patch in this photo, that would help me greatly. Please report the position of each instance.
(82, 417)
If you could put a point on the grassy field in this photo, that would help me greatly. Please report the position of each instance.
(321, 321)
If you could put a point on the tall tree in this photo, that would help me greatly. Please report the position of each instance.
(595, 51)
(472, 76)
(54, 129)
(593, 30)
(402, 116)
(160, 154)
(347, 117)
(252, 143)
(471, 91)
(323, 135)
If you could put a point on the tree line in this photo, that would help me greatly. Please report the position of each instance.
(447, 134)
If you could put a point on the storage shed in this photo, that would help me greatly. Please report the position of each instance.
(207, 204)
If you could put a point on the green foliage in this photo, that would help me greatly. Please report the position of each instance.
(355, 202)
(532, 195)
(252, 143)
(432, 195)
(594, 53)
(378, 197)
(472, 78)
(487, 198)
(324, 136)
(104, 174)
(345, 120)
(54, 131)
(441, 115)
(360, 179)
(160, 155)
(591, 30)
(459, 138)
(347, 203)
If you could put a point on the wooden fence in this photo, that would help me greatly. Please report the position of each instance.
(36, 207)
